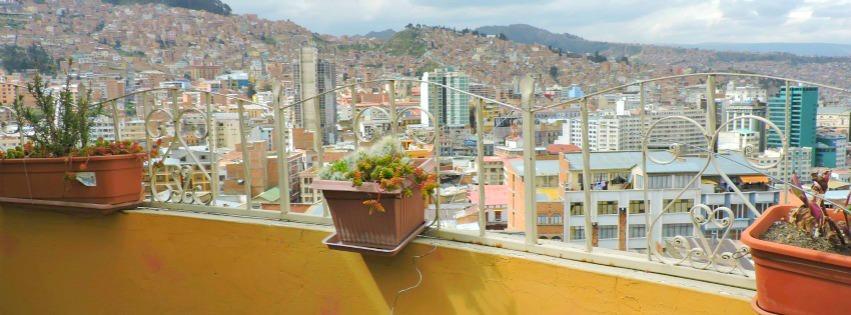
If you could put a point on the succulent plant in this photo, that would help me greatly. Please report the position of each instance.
(385, 163)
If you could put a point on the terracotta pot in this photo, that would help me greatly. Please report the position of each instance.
(356, 226)
(794, 280)
(118, 179)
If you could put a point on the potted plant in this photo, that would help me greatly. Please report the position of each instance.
(802, 255)
(59, 165)
(376, 197)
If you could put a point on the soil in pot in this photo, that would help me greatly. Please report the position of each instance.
(788, 234)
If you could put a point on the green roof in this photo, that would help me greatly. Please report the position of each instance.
(271, 195)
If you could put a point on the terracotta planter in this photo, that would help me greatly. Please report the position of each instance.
(118, 179)
(356, 226)
(794, 280)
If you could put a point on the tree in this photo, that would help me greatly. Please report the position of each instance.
(554, 72)
(16, 58)
(502, 36)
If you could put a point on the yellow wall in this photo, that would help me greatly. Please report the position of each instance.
(53, 263)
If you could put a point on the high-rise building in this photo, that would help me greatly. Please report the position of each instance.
(450, 107)
(313, 76)
(831, 149)
(608, 131)
(738, 109)
(804, 105)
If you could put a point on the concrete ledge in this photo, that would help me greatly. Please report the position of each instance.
(151, 261)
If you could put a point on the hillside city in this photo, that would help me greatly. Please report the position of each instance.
(199, 61)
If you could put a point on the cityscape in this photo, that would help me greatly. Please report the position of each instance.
(661, 156)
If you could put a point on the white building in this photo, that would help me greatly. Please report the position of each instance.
(738, 140)
(665, 182)
(608, 131)
(800, 162)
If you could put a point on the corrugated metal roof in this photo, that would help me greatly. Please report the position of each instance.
(542, 168)
(613, 160)
(731, 164)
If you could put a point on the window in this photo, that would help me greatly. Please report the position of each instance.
(675, 229)
(542, 219)
(608, 232)
(761, 207)
(576, 209)
(556, 238)
(636, 207)
(607, 207)
(637, 231)
(679, 205)
(577, 232)
(497, 215)
(660, 181)
(740, 211)
(555, 219)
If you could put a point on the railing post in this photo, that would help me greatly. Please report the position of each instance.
(645, 181)
(354, 114)
(21, 137)
(394, 128)
(281, 148)
(710, 106)
(436, 149)
(480, 161)
(787, 130)
(212, 144)
(586, 175)
(115, 121)
(527, 92)
(246, 157)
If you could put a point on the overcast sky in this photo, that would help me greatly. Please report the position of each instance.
(661, 21)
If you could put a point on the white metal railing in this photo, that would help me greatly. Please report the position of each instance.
(699, 257)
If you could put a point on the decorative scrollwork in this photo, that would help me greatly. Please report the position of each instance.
(701, 253)
(5, 124)
(749, 151)
(357, 121)
(416, 134)
(675, 149)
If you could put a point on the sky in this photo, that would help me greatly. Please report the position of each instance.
(629, 21)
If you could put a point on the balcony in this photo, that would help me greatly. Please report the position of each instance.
(225, 240)
(165, 261)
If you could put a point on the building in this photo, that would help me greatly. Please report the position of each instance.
(102, 127)
(547, 192)
(227, 130)
(496, 203)
(619, 213)
(804, 104)
(450, 107)
(838, 118)
(608, 131)
(739, 140)
(799, 162)
(747, 93)
(133, 130)
(313, 76)
(493, 171)
(735, 110)
(831, 149)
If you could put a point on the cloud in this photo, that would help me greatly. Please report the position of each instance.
(660, 21)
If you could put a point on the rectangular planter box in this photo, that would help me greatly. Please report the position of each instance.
(356, 226)
(118, 179)
(794, 280)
